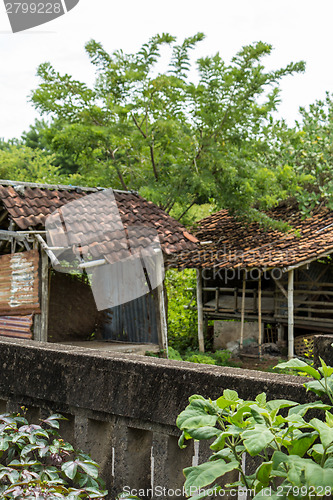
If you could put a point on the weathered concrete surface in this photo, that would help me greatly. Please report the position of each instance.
(322, 347)
(229, 331)
(131, 386)
(122, 408)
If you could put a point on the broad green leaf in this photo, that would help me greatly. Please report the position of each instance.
(259, 419)
(206, 473)
(230, 395)
(232, 430)
(318, 387)
(204, 432)
(293, 476)
(196, 415)
(263, 473)
(238, 417)
(316, 452)
(318, 477)
(89, 468)
(301, 445)
(297, 364)
(70, 469)
(329, 418)
(325, 432)
(327, 371)
(225, 453)
(223, 403)
(257, 439)
(302, 409)
(328, 463)
(277, 404)
(261, 399)
(181, 441)
(196, 396)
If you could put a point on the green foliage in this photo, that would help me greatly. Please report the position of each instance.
(177, 141)
(182, 323)
(36, 463)
(22, 163)
(295, 452)
(323, 383)
(306, 150)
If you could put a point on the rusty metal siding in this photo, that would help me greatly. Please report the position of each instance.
(16, 326)
(19, 283)
(135, 321)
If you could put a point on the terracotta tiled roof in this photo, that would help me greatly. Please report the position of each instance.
(29, 205)
(235, 245)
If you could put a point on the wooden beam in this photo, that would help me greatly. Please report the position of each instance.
(242, 311)
(8, 235)
(200, 312)
(278, 284)
(52, 257)
(259, 317)
(291, 314)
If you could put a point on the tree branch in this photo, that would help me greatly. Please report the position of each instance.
(153, 162)
(138, 126)
(185, 211)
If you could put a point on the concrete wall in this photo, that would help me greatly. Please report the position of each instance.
(122, 408)
(322, 348)
(229, 331)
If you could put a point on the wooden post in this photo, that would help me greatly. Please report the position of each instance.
(41, 320)
(290, 314)
(242, 312)
(200, 312)
(259, 317)
(163, 330)
(163, 319)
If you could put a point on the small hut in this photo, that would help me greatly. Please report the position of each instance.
(281, 282)
(38, 302)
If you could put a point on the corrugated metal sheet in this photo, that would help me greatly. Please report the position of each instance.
(16, 326)
(19, 283)
(135, 321)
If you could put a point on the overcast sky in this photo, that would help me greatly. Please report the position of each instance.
(298, 29)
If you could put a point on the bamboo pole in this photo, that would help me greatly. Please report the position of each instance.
(259, 317)
(163, 321)
(242, 312)
(200, 312)
(41, 320)
(290, 314)
(45, 297)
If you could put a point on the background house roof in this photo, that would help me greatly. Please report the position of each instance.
(28, 205)
(236, 245)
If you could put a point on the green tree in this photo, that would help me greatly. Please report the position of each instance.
(21, 163)
(308, 150)
(177, 141)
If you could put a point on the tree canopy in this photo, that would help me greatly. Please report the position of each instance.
(190, 134)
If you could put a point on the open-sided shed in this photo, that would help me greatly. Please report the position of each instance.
(276, 278)
(51, 306)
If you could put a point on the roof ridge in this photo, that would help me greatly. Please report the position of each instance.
(59, 187)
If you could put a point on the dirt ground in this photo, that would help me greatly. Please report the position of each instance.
(264, 365)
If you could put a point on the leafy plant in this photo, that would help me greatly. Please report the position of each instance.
(296, 454)
(182, 323)
(35, 463)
